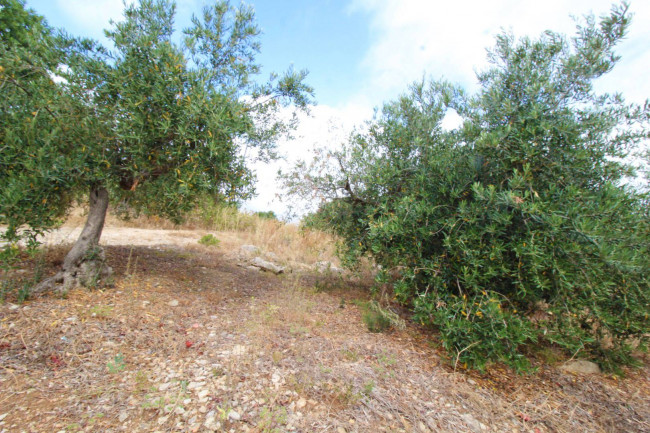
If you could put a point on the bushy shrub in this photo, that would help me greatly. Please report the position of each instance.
(514, 228)
(269, 215)
(209, 240)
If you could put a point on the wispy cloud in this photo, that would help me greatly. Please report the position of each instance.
(442, 39)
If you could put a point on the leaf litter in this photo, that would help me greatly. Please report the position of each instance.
(188, 341)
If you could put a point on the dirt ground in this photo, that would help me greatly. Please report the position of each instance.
(189, 341)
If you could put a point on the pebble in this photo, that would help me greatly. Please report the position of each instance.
(301, 403)
(164, 386)
(194, 385)
(123, 416)
(173, 303)
(233, 415)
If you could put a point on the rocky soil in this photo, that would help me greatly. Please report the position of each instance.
(191, 339)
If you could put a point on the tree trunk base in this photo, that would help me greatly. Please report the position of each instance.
(85, 263)
(90, 272)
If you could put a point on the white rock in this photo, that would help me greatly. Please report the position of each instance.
(239, 350)
(164, 386)
(580, 366)
(233, 415)
(203, 393)
(301, 403)
(250, 249)
(123, 416)
(173, 303)
(325, 267)
(162, 420)
(195, 385)
(471, 422)
(212, 424)
(267, 266)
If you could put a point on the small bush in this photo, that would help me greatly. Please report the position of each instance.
(209, 240)
(269, 215)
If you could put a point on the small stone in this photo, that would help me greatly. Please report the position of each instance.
(340, 430)
(164, 386)
(203, 393)
(173, 303)
(471, 381)
(581, 366)
(471, 422)
(179, 411)
(195, 385)
(251, 249)
(212, 424)
(123, 416)
(13, 307)
(162, 420)
(239, 350)
(301, 403)
(233, 415)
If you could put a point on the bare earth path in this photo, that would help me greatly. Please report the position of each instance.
(188, 341)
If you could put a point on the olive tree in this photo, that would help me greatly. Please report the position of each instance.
(150, 124)
(516, 227)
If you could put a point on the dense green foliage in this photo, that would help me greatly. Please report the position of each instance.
(156, 122)
(514, 228)
(269, 215)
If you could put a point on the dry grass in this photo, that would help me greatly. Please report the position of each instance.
(282, 354)
(287, 353)
(235, 228)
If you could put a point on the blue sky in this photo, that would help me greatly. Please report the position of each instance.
(362, 52)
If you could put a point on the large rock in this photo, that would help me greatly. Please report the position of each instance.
(580, 366)
(264, 265)
(326, 267)
(249, 249)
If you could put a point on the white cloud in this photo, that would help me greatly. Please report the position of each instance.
(95, 16)
(448, 40)
(326, 127)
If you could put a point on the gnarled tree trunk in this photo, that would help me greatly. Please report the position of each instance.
(85, 263)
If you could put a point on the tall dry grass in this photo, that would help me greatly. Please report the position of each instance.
(234, 228)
